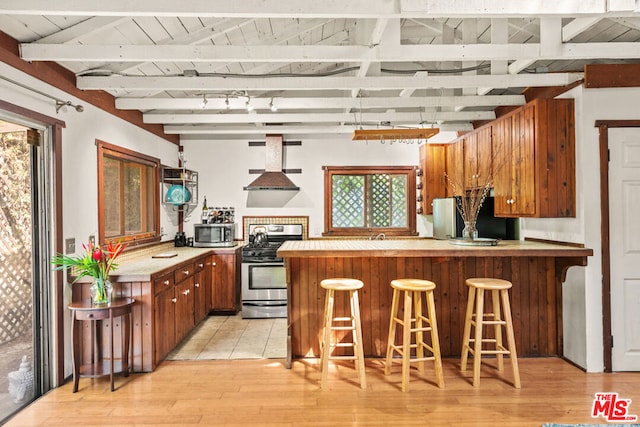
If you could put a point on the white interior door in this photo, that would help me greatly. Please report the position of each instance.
(624, 212)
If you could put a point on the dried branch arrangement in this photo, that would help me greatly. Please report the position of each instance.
(469, 202)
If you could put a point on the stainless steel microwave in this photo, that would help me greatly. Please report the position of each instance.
(214, 235)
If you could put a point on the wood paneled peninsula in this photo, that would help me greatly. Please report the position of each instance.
(536, 269)
(174, 289)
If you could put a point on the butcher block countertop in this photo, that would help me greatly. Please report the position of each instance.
(424, 248)
(142, 267)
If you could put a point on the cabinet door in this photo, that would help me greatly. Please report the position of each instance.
(502, 166)
(455, 168)
(184, 308)
(434, 183)
(484, 153)
(523, 184)
(224, 283)
(164, 324)
(200, 294)
(470, 160)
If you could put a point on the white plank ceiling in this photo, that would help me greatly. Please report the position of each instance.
(328, 66)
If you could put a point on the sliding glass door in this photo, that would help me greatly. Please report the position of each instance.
(24, 239)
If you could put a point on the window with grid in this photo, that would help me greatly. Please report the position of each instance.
(366, 200)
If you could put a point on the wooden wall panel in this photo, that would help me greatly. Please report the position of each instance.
(535, 299)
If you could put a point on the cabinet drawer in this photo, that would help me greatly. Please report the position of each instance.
(183, 272)
(163, 282)
(199, 264)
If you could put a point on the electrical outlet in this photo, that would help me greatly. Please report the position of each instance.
(70, 245)
(92, 240)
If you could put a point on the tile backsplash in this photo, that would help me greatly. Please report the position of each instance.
(247, 220)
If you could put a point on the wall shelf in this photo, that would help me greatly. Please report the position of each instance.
(179, 188)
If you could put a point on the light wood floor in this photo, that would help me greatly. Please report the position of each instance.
(263, 392)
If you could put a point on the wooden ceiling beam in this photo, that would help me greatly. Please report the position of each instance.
(611, 75)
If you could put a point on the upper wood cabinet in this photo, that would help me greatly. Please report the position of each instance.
(455, 167)
(535, 160)
(477, 153)
(530, 153)
(434, 184)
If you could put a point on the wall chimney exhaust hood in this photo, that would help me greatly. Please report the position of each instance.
(273, 178)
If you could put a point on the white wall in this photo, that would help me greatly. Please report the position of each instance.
(582, 301)
(79, 162)
(224, 166)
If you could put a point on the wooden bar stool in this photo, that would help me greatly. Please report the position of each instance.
(350, 323)
(413, 290)
(500, 295)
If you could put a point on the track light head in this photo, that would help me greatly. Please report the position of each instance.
(272, 106)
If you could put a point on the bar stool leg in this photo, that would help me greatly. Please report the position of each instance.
(511, 340)
(326, 337)
(435, 341)
(477, 344)
(466, 349)
(497, 328)
(417, 309)
(406, 340)
(392, 331)
(358, 350)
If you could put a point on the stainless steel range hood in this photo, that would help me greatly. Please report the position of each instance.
(273, 179)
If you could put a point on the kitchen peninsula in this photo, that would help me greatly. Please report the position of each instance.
(536, 269)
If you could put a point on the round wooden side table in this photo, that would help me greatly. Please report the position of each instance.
(87, 311)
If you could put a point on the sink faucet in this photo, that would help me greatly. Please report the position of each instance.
(380, 236)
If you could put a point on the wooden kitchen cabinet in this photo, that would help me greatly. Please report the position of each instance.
(535, 160)
(168, 304)
(202, 288)
(434, 183)
(185, 308)
(164, 325)
(455, 168)
(477, 154)
(225, 283)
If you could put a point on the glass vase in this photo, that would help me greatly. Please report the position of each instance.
(470, 232)
(101, 291)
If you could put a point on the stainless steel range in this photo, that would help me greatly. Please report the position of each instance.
(264, 286)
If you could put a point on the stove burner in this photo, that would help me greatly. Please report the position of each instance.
(264, 250)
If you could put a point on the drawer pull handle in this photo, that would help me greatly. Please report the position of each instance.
(174, 300)
(186, 272)
(200, 265)
(186, 292)
(197, 285)
(166, 282)
(214, 264)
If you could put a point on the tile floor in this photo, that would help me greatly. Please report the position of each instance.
(232, 337)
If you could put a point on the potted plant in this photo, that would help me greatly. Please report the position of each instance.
(96, 263)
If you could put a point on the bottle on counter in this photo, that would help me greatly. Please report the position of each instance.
(205, 211)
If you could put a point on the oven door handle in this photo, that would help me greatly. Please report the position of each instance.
(259, 304)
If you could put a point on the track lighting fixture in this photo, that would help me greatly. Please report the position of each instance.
(248, 104)
(226, 103)
(62, 105)
(272, 106)
(204, 101)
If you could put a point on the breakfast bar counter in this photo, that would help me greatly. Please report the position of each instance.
(536, 269)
